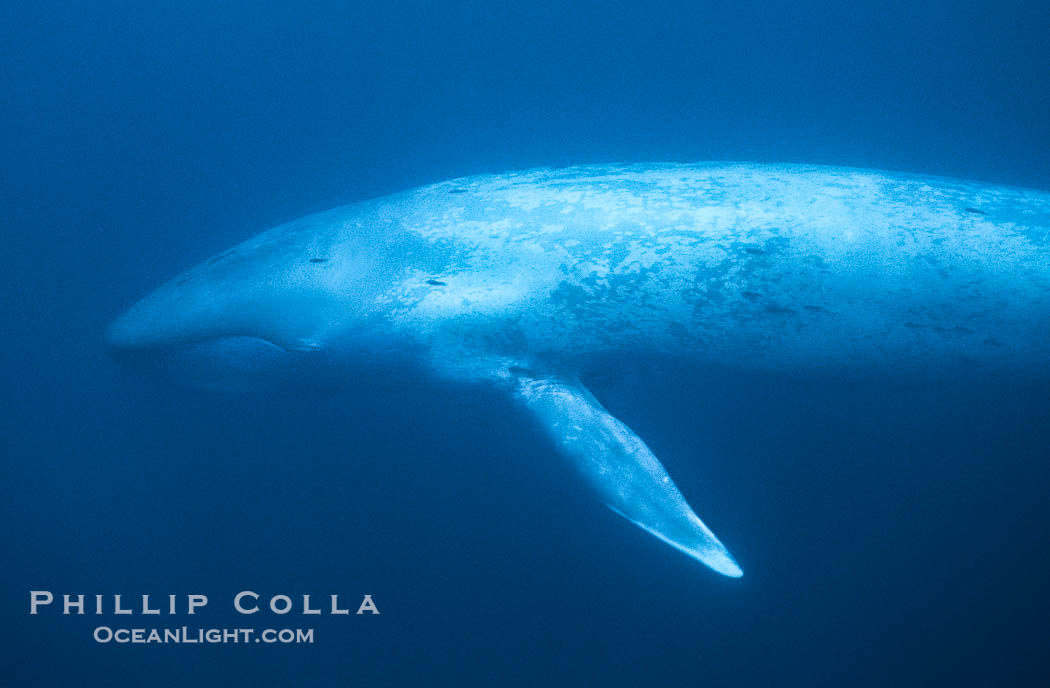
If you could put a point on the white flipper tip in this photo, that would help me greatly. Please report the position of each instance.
(723, 563)
(709, 551)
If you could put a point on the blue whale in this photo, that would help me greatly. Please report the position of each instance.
(527, 280)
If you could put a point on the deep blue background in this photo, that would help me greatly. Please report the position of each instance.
(889, 533)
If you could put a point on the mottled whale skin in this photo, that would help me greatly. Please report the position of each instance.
(526, 279)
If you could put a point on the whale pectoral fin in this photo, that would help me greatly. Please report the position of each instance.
(626, 474)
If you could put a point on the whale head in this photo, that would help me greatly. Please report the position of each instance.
(264, 310)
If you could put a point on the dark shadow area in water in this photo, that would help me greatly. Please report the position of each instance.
(884, 530)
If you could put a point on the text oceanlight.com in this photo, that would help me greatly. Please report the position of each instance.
(189, 636)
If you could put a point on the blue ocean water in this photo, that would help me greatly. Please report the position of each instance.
(889, 532)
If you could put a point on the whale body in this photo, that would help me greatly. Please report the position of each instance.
(529, 280)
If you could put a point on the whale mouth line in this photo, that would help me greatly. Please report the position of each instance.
(119, 348)
(210, 361)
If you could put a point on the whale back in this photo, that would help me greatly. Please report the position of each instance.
(744, 265)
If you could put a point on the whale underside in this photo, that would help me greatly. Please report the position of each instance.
(533, 280)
